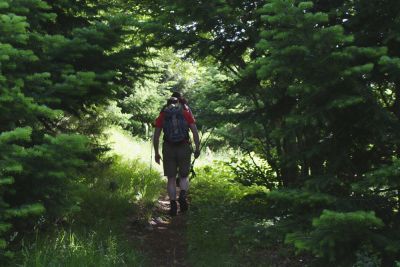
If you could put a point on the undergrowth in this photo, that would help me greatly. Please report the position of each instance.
(96, 235)
(214, 216)
(227, 223)
(69, 248)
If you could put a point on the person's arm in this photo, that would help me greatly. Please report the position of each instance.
(156, 141)
(196, 139)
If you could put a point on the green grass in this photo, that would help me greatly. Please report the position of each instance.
(67, 248)
(214, 216)
(119, 188)
(228, 223)
(123, 144)
(127, 186)
(127, 146)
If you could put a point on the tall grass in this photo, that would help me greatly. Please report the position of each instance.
(214, 216)
(123, 144)
(228, 223)
(121, 186)
(66, 248)
(126, 184)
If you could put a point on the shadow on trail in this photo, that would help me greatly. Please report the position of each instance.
(163, 239)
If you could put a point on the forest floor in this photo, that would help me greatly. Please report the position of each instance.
(163, 238)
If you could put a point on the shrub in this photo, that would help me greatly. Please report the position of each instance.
(336, 237)
(249, 172)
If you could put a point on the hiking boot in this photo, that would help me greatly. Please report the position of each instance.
(173, 208)
(182, 201)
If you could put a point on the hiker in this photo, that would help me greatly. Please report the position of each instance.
(185, 105)
(175, 120)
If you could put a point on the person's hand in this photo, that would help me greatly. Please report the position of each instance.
(196, 153)
(157, 158)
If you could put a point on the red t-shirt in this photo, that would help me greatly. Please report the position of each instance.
(186, 114)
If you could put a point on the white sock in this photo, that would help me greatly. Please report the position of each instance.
(184, 183)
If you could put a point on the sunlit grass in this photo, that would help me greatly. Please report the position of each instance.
(123, 144)
(121, 187)
(68, 249)
(128, 186)
(96, 235)
(131, 148)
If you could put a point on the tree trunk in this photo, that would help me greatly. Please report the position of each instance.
(289, 168)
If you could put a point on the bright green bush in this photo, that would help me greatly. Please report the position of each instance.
(249, 172)
(336, 237)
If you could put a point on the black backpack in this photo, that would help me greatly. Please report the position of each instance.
(175, 127)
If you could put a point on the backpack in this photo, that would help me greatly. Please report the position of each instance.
(175, 127)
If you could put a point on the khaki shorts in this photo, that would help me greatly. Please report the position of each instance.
(176, 159)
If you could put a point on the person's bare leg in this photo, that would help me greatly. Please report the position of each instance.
(171, 188)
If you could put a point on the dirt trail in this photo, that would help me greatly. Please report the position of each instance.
(163, 239)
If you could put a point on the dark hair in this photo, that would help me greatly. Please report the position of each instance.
(172, 100)
(181, 99)
(176, 94)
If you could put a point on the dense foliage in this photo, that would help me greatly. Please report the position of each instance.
(311, 87)
(58, 61)
(96, 234)
(320, 82)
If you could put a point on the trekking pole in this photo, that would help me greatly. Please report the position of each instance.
(194, 159)
(201, 148)
(151, 153)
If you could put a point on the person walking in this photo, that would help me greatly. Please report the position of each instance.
(175, 120)
(185, 105)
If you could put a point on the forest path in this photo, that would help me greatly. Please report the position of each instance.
(163, 240)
